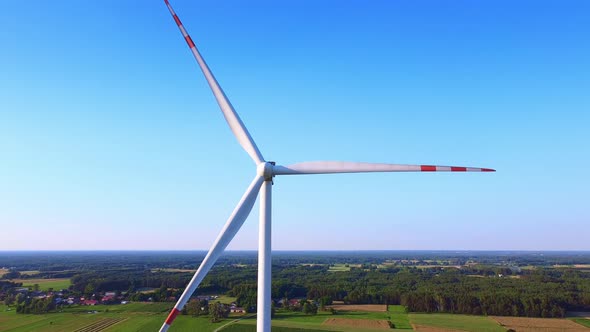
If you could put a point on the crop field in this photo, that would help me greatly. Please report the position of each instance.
(100, 325)
(357, 323)
(119, 318)
(149, 317)
(455, 322)
(573, 266)
(45, 284)
(10, 321)
(525, 324)
(339, 268)
(297, 320)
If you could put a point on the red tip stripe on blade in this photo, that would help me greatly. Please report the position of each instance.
(189, 41)
(177, 20)
(427, 168)
(488, 170)
(172, 316)
(458, 169)
(166, 1)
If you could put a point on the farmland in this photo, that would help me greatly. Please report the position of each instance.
(456, 322)
(526, 324)
(149, 316)
(121, 318)
(443, 291)
(225, 299)
(45, 284)
(350, 320)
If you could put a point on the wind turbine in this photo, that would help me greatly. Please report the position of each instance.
(262, 183)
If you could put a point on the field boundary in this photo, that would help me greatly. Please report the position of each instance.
(232, 322)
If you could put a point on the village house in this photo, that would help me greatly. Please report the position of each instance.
(89, 302)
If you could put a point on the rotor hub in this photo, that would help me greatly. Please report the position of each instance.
(266, 170)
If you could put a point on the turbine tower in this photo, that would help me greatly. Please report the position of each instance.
(262, 183)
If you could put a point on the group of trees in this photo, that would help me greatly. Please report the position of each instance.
(541, 293)
(11, 274)
(27, 305)
(216, 311)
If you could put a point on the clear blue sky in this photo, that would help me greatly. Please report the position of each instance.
(111, 139)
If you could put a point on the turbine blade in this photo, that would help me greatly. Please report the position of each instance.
(230, 229)
(231, 117)
(328, 167)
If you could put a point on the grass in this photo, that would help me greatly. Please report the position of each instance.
(459, 322)
(137, 317)
(50, 322)
(188, 323)
(342, 267)
(582, 321)
(45, 284)
(140, 316)
(139, 307)
(225, 299)
(155, 307)
(399, 317)
(138, 322)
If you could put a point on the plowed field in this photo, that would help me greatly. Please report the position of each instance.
(100, 325)
(523, 324)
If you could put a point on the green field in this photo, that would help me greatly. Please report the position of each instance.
(149, 317)
(339, 268)
(460, 322)
(342, 267)
(45, 284)
(225, 299)
(130, 317)
(582, 321)
(399, 317)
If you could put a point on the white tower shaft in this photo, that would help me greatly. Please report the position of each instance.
(264, 259)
